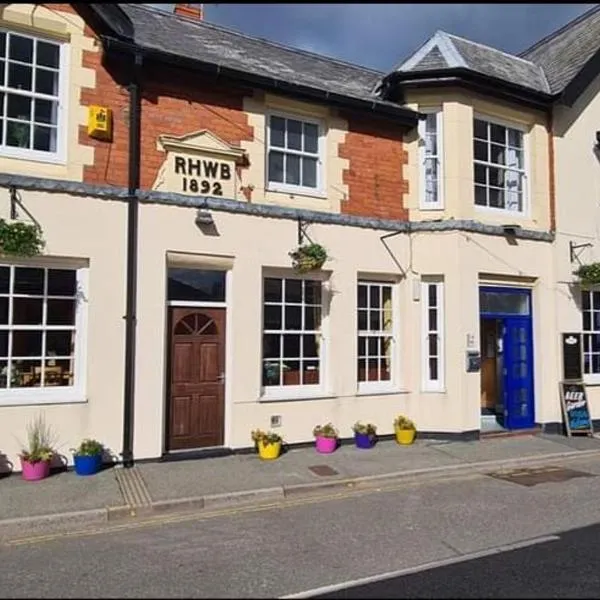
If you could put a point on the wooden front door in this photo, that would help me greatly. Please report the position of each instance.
(196, 378)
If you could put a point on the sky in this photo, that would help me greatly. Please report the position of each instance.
(381, 35)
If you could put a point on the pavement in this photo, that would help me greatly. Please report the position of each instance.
(65, 501)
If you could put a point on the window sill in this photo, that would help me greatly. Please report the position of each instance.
(31, 398)
(433, 390)
(281, 395)
(381, 391)
(294, 191)
(591, 381)
(490, 210)
(33, 156)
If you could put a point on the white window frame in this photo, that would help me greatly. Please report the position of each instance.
(524, 212)
(59, 156)
(393, 384)
(424, 204)
(274, 186)
(428, 384)
(63, 394)
(297, 392)
(590, 378)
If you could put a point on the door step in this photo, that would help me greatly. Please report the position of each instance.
(509, 433)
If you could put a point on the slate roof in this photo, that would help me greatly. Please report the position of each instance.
(564, 53)
(202, 41)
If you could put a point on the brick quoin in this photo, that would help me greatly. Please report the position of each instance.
(376, 185)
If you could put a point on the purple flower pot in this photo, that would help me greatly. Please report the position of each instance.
(325, 445)
(364, 440)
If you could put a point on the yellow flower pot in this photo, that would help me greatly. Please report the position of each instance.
(269, 451)
(405, 436)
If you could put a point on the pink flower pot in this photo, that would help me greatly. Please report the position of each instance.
(325, 445)
(35, 471)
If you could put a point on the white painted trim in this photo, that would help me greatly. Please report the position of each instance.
(423, 204)
(447, 49)
(427, 384)
(229, 370)
(320, 190)
(194, 304)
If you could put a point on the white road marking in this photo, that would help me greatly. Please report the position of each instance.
(424, 567)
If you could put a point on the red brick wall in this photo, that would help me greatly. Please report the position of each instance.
(375, 179)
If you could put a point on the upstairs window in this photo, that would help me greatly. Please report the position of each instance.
(30, 102)
(294, 155)
(430, 154)
(499, 168)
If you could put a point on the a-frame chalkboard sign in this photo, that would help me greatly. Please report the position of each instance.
(575, 408)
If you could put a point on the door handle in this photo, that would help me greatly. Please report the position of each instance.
(221, 378)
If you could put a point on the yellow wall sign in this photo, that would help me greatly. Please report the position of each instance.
(100, 122)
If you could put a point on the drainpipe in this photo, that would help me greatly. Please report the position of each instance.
(132, 255)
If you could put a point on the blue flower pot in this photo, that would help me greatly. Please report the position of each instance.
(364, 440)
(87, 465)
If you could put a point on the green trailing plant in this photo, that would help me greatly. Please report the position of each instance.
(40, 441)
(308, 257)
(364, 428)
(404, 423)
(266, 437)
(589, 274)
(88, 447)
(326, 431)
(20, 239)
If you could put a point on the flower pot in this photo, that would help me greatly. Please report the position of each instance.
(34, 471)
(405, 436)
(269, 451)
(325, 445)
(364, 440)
(87, 465)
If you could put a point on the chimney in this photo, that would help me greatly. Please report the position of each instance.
(192, 11)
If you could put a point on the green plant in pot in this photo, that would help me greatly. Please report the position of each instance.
(268, 443)
(364, 434)
(87, 457)
(308, 257)
(404, 429)
(20, 239)
(36, 458)
(326, 438)
(589, 274)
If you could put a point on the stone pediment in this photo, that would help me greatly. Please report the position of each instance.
(201, 142)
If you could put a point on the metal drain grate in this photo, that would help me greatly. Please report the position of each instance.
(323, 470)
(133, 487)
(535, 476)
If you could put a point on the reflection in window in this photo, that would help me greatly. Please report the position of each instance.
(292, 312)
(37, 326)
(504, 302)
(196, 285)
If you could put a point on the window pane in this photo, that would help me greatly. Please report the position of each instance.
(432, 319)
(21, 48)
(29, 281)
(515, 138)
(386, 296)
(309, 172)
(312, 318)
(3, 311)
(272, 289)
(496, 198)
(310, 347)
(480, 151)
(62, 282)
(45, 111)
(3, 343)
(585, 300)
(311, 138)
(61, 312)
(362, 296)
(276, 166)
(272, 317)
(293, 317)
(4, 280)
(294, 134)
(26, 343)
(19, 107)
(310, 372)
(362, 320)
(497, 133)
(46, 82)
(480, 195)
(291, 346)
(2, 74)
(18, 134)
(431, 123)
(20, 76)
(27, 311)
(432, 295)
(58, 373)
(271, 373)
(60, 343)
(312, 292)
(362, 346)
(432, 344)
(374, 296)
(375, 320)
(47, 54)
(44, 139)
(431, 145)
(271, 345)
(480, 129)
(291, 372)
(293, 290)
(497, 154)
(194, 285)
(433, 369)
(373, 346)
(277, 132)
(292, 169)
(496, 177)
(2, 43)
(26, 373)
(362, 369)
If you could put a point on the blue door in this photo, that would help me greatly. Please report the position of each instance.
(518, 373)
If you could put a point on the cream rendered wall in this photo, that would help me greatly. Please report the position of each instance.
(36, 19)
(458, 109)
(94, 231)
(577, 205)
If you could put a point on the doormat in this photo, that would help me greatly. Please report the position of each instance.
(534, 476)
(323, 470)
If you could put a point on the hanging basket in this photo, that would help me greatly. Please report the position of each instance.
(588, 274)
(308, 258)
(20, 239)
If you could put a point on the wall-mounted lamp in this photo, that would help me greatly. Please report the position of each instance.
(203, 217)
(511, 229)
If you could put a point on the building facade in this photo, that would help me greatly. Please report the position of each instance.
(432, 189)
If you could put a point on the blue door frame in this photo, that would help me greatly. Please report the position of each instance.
(517, 353)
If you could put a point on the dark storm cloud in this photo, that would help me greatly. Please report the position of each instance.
(381, 35)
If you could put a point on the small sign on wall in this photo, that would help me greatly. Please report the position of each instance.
(198, 164)
(572, 356)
